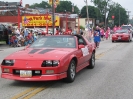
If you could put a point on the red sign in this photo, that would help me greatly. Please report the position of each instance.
(113, 16)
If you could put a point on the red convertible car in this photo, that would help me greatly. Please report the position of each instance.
(122, 35)
(51, 57)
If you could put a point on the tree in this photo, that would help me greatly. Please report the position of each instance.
(104, 6)
(43, 4)
(66, 6)
(93, 12)
(120, 15)
(90, 9)
(109, 8)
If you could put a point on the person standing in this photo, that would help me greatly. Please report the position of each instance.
(25, 32)
(115, 28)
(108, 30)
(74, 31)
(102, 33)
(97, 36)
(107, 34)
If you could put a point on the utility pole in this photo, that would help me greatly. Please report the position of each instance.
(87, 13)
(105, 18)
(128, 12)
(53, 16)
(119, 17)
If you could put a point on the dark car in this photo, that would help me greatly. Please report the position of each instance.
(3, 33)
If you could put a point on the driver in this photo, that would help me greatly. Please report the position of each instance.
(71, 42)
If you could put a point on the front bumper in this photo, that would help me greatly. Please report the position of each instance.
(35, 78)
(120, 39)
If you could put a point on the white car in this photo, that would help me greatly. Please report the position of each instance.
(127, 27)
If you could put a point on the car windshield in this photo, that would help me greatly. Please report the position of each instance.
(55, 42)
(126, 27)
(122, 31)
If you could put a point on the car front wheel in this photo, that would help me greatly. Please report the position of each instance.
(92, 61)
(71, 72)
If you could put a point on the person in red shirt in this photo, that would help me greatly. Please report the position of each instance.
(13, 40)
(102, 33)
(69, 31)
(115, 28)
(57, 31)
(119, 28)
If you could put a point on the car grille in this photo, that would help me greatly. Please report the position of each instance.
(17, 72)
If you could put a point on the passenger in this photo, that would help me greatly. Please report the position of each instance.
(71, 42)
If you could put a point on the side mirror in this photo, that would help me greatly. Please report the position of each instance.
(81, 46)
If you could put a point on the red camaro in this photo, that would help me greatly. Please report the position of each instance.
(51, 57)
(122, 35)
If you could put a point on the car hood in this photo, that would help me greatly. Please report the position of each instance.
(120, 34)
(40, 54)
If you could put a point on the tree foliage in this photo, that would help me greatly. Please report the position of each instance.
(91, 10)
(108, 8)
(66, 6)
(94, 12)
(102, 5)
(120, 15)
(43, 4)
(62, 7)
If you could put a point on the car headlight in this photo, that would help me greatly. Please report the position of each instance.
(113, 35)
(50, 63)
(8, 62)
(126, 35)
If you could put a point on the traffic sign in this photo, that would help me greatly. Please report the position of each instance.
(55, 2)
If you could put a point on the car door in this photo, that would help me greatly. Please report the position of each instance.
(84, 52)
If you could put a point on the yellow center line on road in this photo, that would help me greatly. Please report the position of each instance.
(27, 94)
(103, 53)
(23, 93)
(35, 92)
(99, 55)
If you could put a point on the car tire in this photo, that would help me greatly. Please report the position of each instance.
(71, 72)
(91, 61)
(112, 41)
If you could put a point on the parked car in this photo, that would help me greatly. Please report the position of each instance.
(122, 35)
(51, 57)
(3, 33)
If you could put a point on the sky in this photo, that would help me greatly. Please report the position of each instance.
(127, 4)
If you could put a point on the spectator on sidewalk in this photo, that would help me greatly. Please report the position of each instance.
(97, 36)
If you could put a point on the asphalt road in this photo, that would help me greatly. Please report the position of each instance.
(112, 78)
